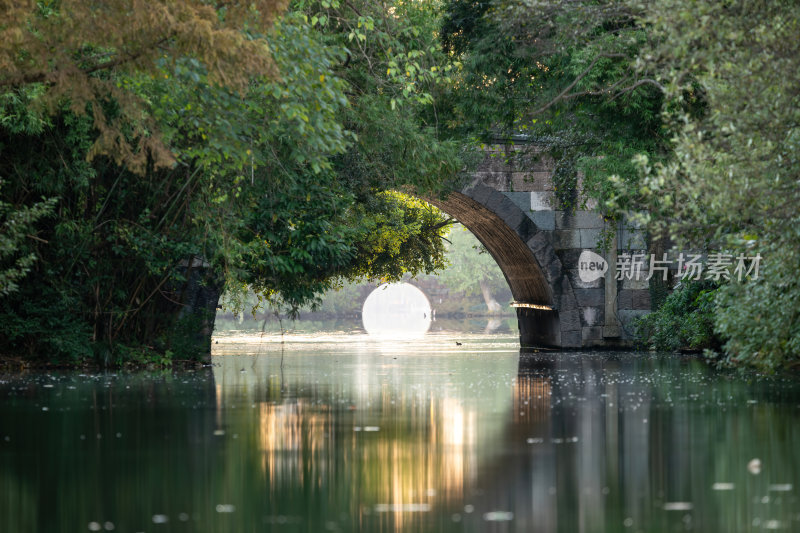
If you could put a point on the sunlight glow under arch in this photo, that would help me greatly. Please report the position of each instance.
(396, 311)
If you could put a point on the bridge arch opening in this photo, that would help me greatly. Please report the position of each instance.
(538, 283)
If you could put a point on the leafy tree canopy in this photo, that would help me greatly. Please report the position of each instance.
(733, 101)
(278, 174)
(560, 75)
(75, 52)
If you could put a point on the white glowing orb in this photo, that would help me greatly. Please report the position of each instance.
(396, 311)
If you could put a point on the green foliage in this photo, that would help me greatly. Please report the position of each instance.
(685, 321)
(73, 51)
(732, 110)
(732, 105)
(470, 264)
(468, 269)
(262, 192)
(759, 318)
(560, 75)
(41, 323)
(16, 228)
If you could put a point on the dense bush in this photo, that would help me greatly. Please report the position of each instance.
(685, 321)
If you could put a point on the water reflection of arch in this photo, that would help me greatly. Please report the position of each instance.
(583, 450)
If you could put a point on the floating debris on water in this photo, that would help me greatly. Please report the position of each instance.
(219, 432)
(678, 506)
(722, 486)
(780, 487)
(160, 519)
(498, 516)
(535, 441)
(225, 508)
(402, 508)
(754, 466)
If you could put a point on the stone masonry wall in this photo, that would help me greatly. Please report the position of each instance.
(606, 307)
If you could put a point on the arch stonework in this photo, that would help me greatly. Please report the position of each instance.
(534, 272)
(511, 208)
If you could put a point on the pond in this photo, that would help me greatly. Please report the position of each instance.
(328, 429)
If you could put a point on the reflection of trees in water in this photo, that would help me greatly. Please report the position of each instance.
(622, 440)
(590, 443)
(116, 448)
(574, 442)
(372, 445)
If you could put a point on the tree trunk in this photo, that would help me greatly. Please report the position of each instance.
(491, 303)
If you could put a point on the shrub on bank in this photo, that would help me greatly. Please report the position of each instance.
(685, 321)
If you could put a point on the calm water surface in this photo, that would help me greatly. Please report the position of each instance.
(335, 431)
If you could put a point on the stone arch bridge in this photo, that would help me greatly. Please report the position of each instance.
(510, 205)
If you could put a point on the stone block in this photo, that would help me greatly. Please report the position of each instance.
(563, 239)
(545, 220)
(479, 193)
(571, 339)
(527, 228)
(552, 269)
(542, 201)
(531, 181)
(569, 257)
(641, 300)
(520, 199)
(510, 213)
(635, 283)
(633, 299)
(592, 333)
(570, 320)
(565, 302)
(578, 220)
(494, 180)
(539, 241)
(631, 240)
(591, 204)
(625, 299)
(494, 202)
(612, 332)
(589, 237)
(592, 316)
(590, 297)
